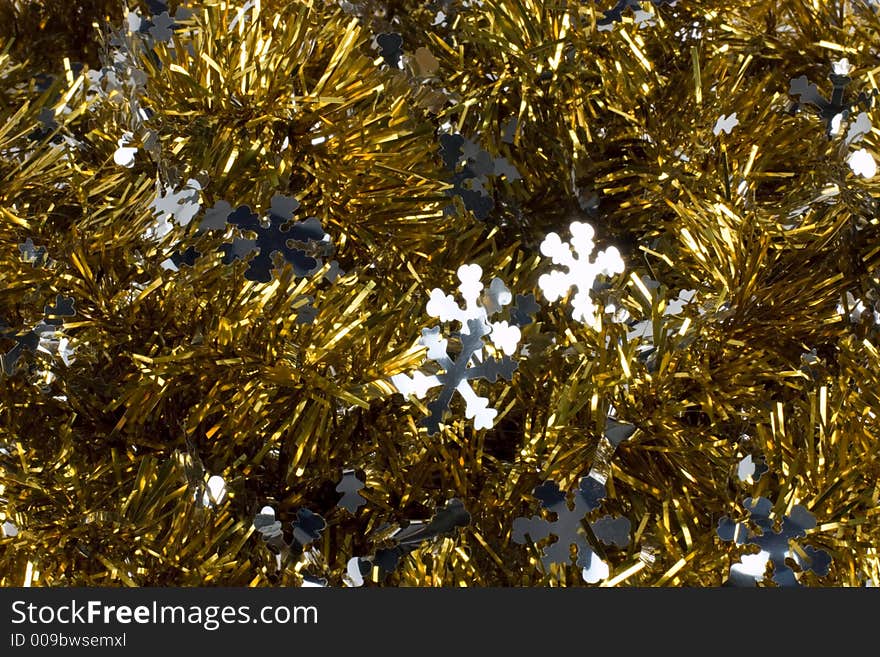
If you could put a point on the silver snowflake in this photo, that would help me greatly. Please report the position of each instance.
(568, 527)
(581, 272)
(471, 363)
(774, 539)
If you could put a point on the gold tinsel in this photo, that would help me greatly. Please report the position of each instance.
(183, 374)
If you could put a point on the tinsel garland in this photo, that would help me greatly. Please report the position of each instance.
(448, 293)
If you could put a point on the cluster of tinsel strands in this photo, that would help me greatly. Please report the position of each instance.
(300, 292)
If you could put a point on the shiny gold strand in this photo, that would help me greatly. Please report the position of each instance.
(181, 375)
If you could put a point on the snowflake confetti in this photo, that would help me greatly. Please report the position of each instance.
(161, 27)
(775, 544)
(725, 124)
(391, 48)
(523, 309)
(305, 311)
(581, 274)
(181, 206)
(299, 243)
(215, 491)
(750, 469)
(616, 431)
(183, 258)
(306, 529)
(44, 337)
(48, 125)
(568, 530)
(685, 297)
(124, 155)
(832, 111)
(858, 128)
(34, 255)
(215, 217)
(615, 14)
(351, 499)
(862, 163)
(470, 363)
(472, 167)
(856, 309)
(28, 341)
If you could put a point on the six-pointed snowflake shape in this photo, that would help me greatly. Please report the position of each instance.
(581, 272)
(568, 527)
(291, 242)
(775, 544)
(470, 363)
